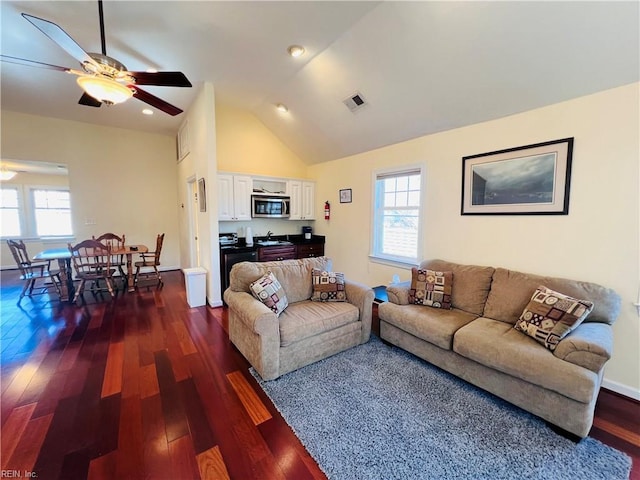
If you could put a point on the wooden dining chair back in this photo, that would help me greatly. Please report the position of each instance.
(115, 243)
(92, 262)
(150, 262)
(37, 277)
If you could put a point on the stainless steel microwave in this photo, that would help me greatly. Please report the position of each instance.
(269, 207)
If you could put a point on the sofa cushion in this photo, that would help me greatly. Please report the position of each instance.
(268, 290)
(293, 275)
(471, 284)
(511, 292)
(306, 319)
(550, 316)
(328, 286)
(431, 288)
(434, 325)
(498, 345)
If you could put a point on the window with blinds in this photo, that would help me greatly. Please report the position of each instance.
(397, 214)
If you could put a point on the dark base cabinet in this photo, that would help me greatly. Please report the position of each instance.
(268, 254)
(310, 250)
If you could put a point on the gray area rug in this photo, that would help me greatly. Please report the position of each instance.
(377, 412)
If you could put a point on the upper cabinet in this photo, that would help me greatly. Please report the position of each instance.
(234, 197)
(302, 196)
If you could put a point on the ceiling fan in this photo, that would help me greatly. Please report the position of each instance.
(103, 79)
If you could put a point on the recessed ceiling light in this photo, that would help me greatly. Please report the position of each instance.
(295, 51)
(282, 108)
(147, 111)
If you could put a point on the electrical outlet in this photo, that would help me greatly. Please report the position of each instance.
(89, 221)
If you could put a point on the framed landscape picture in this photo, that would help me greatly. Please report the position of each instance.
(529, 180)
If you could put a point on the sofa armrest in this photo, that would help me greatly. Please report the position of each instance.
(362, 297)
(252, 313)
(589, 346)
(398, 294)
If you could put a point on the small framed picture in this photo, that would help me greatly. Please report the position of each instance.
(345, 195)
(202, 195)
(183, 141)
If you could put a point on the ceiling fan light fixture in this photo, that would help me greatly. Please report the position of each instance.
(105, 90)
(7, 174)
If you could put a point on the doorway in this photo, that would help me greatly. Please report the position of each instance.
(192, 215)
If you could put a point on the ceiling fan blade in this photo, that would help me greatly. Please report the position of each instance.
(89, 101)
(162, 79)
(32, 63)
(154, 101)
(62, 38)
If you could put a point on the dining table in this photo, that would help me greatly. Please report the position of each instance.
(63, 257)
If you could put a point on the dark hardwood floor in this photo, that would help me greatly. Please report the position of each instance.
(145, 387)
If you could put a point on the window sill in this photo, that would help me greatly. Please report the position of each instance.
(406, 265)
(56, 239)
(42, 239)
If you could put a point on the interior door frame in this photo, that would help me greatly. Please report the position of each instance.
(192, 215)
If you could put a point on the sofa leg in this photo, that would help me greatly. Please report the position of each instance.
(564, 433)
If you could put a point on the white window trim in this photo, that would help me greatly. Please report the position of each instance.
(405, 263)
(26, 211)
(21, 209)
(32, 209)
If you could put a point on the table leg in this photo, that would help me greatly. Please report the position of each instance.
(66, 280)
(130, 282)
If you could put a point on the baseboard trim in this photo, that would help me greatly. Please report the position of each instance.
(621, 389)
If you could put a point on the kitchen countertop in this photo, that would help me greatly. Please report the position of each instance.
(241, 246)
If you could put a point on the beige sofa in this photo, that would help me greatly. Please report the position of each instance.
(306, 331)
(476, 340)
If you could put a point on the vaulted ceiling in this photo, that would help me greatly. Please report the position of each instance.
(422, 67)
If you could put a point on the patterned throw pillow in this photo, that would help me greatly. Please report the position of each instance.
(268, 290)
(431, 288)
(328, 286)
(550, 316)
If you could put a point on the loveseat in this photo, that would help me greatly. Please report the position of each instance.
(276, 338)
(476, 340)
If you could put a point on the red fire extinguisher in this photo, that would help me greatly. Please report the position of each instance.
(327, 210)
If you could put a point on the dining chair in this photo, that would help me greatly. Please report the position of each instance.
(92, 262)
(115, 242)
(150, 262)
(33, 272)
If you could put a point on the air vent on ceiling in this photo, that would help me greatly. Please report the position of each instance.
(355, 102)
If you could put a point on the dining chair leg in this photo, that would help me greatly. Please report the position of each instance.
(110, 287)
(24, 290)
(32, 284)
(79, 291)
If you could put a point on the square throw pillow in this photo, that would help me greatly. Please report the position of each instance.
(268, 290)
(550, 316)
(328, 286)
(431, 288)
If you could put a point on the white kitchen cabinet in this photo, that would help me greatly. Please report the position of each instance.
(234, 197)
(302, 196)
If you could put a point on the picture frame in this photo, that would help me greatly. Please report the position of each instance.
(202, 195)
(345, 195)
(528, 180)
(183, 141)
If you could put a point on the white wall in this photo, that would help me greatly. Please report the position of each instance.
(597, 241)
(123, 180)
(201, 162)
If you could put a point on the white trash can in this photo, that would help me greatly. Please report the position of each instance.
(195, 280)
